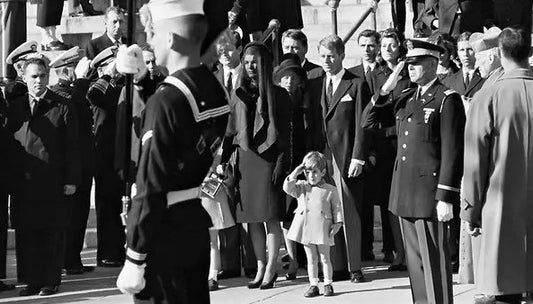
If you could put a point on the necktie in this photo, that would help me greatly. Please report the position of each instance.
(467, 80)
(229, 83)
(33, 104)
(368, 77)
(329, 92)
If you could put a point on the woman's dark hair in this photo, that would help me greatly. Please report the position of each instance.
(394, 34)
(448, 43)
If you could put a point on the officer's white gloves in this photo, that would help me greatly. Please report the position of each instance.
(444, 211)
(82, 68)
(130, 61)
(392, 81)
(131, 278)
(355, 168)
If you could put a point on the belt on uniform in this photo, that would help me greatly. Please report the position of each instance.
(176, 197)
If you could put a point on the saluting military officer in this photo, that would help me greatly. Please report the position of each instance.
(73, 86)
(183, 125)
(427, 174)
(17, 58)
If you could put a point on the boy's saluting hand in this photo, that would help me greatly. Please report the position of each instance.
(335, 228)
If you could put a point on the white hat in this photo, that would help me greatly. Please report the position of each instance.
(484, 41)
(166, 9)
(421, 47)
(21, 52)
(104, 56)
(71, 56)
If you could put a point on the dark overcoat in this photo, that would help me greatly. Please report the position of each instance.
(51, 159)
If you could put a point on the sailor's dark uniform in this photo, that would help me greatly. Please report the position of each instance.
(167, 227)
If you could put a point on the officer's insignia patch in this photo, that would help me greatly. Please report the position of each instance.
(428, 112)
(200, 145)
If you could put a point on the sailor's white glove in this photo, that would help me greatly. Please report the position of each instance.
(130, 61)
(82, 68)
(131, 278)
(444, 211)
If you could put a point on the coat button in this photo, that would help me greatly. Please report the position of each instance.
(404, 146)
(403, 158)
(397, 117)
(434, 173)
(406, 133)
(409, 119)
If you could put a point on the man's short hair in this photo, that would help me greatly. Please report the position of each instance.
(465, 36)
(147, 48)
(117, 10)
(369, 34)
(234, 39)
(37, 61)
(515, 44)
(295, 34)
(315, 159)
(332, 42)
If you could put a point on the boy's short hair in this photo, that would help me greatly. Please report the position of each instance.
(515, 43)
(370, 34)
(37, 61)
(295, 34)
(315, 159)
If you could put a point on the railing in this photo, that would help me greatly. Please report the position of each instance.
(370, 11)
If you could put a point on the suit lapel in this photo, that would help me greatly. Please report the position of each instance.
(427, 97)
(323, 101)
(476, 78)
(343, 87)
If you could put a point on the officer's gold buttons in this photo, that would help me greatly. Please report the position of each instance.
(404, 146)
(406, 133)
(403, 158)
(434, 173)
(409, 119)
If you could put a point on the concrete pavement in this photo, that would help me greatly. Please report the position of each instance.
(99, 287)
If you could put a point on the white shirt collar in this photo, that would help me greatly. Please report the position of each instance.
(304, 61)
(425, 87)
(38, 97)
(371, 65)
(235, 72)
(113, 39)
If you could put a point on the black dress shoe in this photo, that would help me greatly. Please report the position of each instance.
(398, 267)
(228, 274)
(109, 263)
(312, 292)
(290, 276)
(29, 291)
(270, 284)
(357, 277)
(5, 287)
(328, 290)
(255, 284)
(340, 275)
(286, 258)
(49, 290)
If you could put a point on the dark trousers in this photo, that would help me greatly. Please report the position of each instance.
(428, 260)
(178, 269)
(399, 13)
(3, 231)
(455, 231)
(75, 232)
(40, 255)
(386, 230)
(236, 248)
(13, 34)
(509, 299)
(108, 203)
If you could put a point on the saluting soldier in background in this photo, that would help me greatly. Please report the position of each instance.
(73, 86)
(17, 57)
(103, 96)
(430, 122)
(182, 128)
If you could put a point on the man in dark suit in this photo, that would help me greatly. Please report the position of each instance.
(398, 15)
(430, 122)
(47, 128)
(454, 17)
(295, 41)
(114, 28)
(369, 71)
(341, 96)
(467, 81)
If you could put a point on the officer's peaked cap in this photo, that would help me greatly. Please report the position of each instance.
(421, 48)
(68, 57)
(104, 56)
(22, 51)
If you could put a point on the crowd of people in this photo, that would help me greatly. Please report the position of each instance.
(234, 154)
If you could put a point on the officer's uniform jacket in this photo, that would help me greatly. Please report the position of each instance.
(182, 128)
(429, 162)
(15, 89)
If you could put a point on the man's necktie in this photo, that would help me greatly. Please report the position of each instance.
(329, 92)
(368, 77)
(229, 83)
(33, 104)
(467, 80)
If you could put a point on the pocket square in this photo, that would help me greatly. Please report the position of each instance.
(346, 98)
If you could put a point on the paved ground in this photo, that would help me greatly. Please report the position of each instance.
(99, 287)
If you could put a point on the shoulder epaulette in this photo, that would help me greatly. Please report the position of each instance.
(449, 92)
(405, 90)
(199, 115)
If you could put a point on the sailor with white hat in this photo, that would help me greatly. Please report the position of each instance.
(17, 58)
